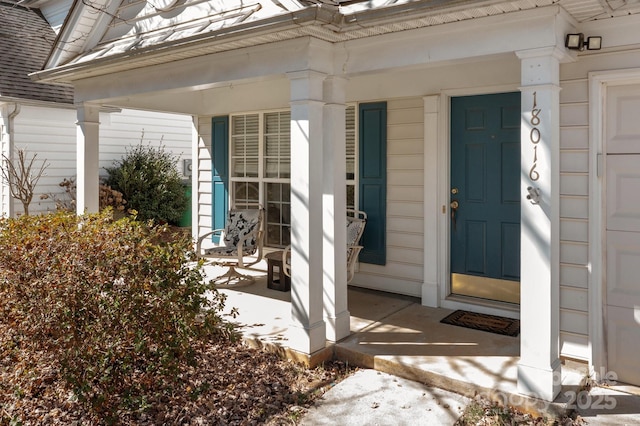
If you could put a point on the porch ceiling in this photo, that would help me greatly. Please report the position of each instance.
(115, 36)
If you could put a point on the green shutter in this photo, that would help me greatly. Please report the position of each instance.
(219, 171)
(372, 180)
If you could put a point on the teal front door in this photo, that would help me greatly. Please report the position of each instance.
(485, 196)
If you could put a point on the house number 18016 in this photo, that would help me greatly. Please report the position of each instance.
(534, 137)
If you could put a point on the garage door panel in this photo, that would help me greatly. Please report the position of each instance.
(623, 126)
(624, 344)
(623, 269)
(623, 192)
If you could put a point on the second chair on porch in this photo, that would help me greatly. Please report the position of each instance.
(238, 245)
(356, 221)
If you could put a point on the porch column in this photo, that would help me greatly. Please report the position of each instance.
(539, 366)
(334, 205)
(308, 331)
(87, 160)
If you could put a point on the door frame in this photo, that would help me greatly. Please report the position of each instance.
(598, 83)
(446, 299)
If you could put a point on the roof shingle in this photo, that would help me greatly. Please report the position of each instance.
(25, 41)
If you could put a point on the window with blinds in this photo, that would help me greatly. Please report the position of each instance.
(245, 149)
(277, 143)
(261, 167)
(350, 142)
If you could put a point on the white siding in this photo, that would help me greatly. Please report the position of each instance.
(134, 126)
(574, 218)
(51, 133)
(403, 272)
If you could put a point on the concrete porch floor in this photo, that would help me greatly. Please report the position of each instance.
(395, 334)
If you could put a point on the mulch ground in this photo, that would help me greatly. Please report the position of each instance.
(232, 385)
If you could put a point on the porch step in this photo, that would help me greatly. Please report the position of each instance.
(573, 383)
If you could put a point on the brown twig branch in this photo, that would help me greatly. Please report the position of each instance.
(22, 177)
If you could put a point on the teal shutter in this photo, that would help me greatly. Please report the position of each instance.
(219, 171)
(372, 180)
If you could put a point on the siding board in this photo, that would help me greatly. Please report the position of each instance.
(405, 193)
(574, 275)
(574, 161)
(396, 270)
(405, 131)
(576, 114)
(405, 116)
(396, 254)
(407, 208)
(574, 91)
(576, 299)
(404, 224)
(574, 345)
(575, 137)
(574, 321)
(407, 146)
(405, 177)
(404, 239)
(574, 207)
(405, 162)
(574, 253)
(574, 184)
(576, 230)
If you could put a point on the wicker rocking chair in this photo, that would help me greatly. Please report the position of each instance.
(239, 246)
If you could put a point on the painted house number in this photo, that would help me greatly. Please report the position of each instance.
(534, 137)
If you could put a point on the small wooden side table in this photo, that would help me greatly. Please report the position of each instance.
(276, 278)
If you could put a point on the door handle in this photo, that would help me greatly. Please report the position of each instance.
(454, 208)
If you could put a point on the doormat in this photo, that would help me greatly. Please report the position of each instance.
(484, 322)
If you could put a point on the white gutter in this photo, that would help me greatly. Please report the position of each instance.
(7, 150)
(378, 16)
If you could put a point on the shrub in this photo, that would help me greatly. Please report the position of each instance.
(120, 311)
(149, 180)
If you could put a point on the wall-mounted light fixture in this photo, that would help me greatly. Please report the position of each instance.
(577, 42)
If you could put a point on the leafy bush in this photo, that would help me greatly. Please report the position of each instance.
(149, 180)
(120, 310)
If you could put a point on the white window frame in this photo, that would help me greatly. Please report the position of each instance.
(356, 150)
(261, 179)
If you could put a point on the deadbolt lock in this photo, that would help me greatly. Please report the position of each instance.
(454, 191)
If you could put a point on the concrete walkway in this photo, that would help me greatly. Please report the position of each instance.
(617, 405)
(371, 398)
(396, 335)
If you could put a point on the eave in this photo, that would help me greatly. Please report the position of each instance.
(323, 23)
(282, 27)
